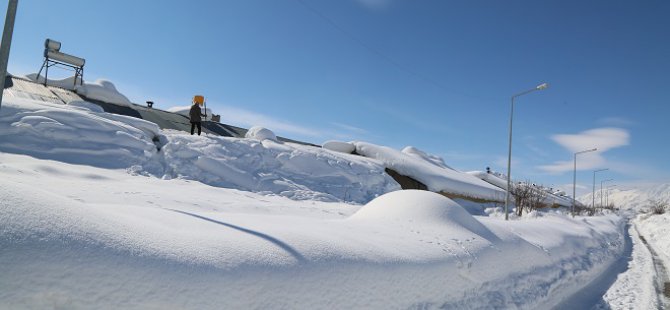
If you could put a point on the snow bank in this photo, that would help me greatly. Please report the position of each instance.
(635, 287)
(260, 133)
(656, 229)
(428, 171)
(490, 178)
(102, 90)
(337, 146)
(286, 169)
(75, 135)
(70, 242)
(185, 110)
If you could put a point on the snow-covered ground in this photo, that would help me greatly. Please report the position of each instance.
(105, 211)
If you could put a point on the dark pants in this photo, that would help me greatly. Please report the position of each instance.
(193, 124)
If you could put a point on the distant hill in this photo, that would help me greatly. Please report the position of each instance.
(636, 199)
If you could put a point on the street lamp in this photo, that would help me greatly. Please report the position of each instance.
(6, 42)
(509, 153)
(574, 179)
(601, 190)
(593, 193)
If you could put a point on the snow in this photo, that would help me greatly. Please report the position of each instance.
(105, 211)
(637, 199)
(79, 236)
(499, 180)
(67, 83)
(101, 89)
(286, 169)
(425, 169)
(338, 146)
(434, 159)
(634, 288)
(656, 231)
(260, 133)
(75, 135)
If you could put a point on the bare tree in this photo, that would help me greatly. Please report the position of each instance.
(657, 206)
(536, 198)
(521, 193)
(528, 196)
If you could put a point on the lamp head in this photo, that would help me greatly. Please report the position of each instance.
(542, 86)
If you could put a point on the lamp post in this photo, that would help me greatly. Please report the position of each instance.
(593, 193)
(7, 42)
(574, 179)
(601, 190)
(509, 153)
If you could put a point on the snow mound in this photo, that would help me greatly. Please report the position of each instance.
(421, 208)
(185, 110)
(102, 90)
(433, 159)
(260, 133)
(338, 146)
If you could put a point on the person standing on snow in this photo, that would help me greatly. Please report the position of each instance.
(196, 113)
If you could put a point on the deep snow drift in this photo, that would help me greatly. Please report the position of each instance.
(78, 232)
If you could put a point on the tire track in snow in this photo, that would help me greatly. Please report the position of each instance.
(662, 280)
(590, 296)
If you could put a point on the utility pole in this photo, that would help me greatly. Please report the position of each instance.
(7, 42)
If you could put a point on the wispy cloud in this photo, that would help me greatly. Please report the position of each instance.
(350, 128)
(615, 121)
(602, 138)
(242, 117)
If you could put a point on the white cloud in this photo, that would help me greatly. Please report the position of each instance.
(602, 138)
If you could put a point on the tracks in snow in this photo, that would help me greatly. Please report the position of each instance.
(662, 279)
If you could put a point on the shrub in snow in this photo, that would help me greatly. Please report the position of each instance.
(338, 146)
(657, 206)
(260, 133)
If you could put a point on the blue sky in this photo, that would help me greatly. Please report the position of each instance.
(437, 75)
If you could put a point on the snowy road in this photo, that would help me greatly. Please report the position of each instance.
(591, 296)
(640, 281)
(662, 281)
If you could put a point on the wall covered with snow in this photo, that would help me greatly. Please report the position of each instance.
(433, 173)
